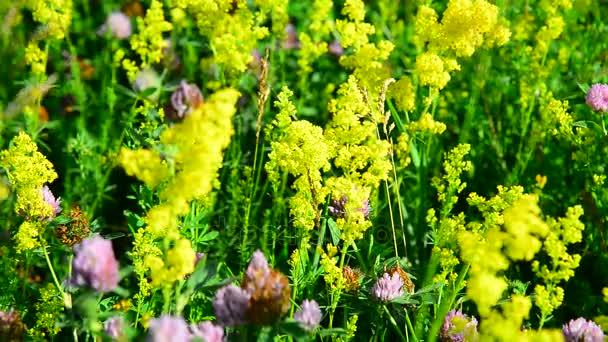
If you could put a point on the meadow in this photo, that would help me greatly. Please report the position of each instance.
(315, 170)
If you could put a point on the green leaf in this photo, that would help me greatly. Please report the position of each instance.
(294, 329)
(208, 236)
(334, 230)
(332, 332)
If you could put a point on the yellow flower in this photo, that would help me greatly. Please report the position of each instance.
(149, 42)
(429, 67)
(146, 165)
(28, 171)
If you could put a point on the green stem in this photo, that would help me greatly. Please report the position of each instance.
(410, 326)
(447, 305)
(335, 296)
(392, 320)
(66, 300)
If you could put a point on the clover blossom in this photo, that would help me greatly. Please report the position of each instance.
(230, 305)
(185, 98)
(269, 290)
(309, 314)
(50, 199)
(457, 327)
(119, 25)
(581, 329)
(597, 97)
(207, 331)
(262, 298)
(95, 265)
(291, 40)
(168, 328)
(114, 327)
(387, 288)
(11, 326)
(338, 208)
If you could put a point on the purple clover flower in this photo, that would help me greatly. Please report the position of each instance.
(50, 199)
(597, 97)
(168, 328)
(11, 326)
(457, 327)
(257, 272)
(114, 327)
(309, 315)
(185, 98)
(388, 287)
(335, 48)
(119, 25)
(338, 208)
(580, 329)
(230, 305)
(291, 40)
(95, 265)
(207, 331)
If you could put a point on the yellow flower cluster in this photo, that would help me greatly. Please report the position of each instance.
(145, 164)
(300, 148)
(353, 132)
(449, 186)
(48, 310)
(404, 94)
(179, 261)
(428, 124)
(194, 170)
(523, 229)
(28, 171)
(310, 49)
(332, 273)
(35, 58)
(231, 28)
(367, 58)
(148, 42)
(278, 14)
(513, 230)
(466, 25)
(55, 15)
(563, 231)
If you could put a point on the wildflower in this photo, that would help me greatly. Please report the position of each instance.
(291, 39)
(114, 327)
(185, 98)
(309, 314)
(582, 330)
(149, 42)
(335, 48)
(94, 265)
(269, 290)
(29, 171)
(119, 25)
(351, 279)
(11, 326)
(257, 272)
(168, 328)
(230, 305)
(74, 231)
(207, 331)
(148, 78)
(48, 197)
(387, 288)
(597, 97)
(338, 208)
(458, 327)
(407, 282)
